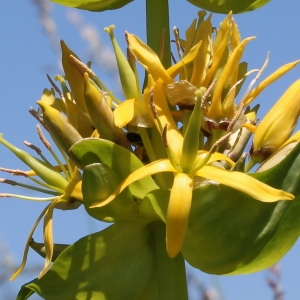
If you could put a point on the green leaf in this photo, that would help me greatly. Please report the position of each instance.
(119, 159)
(93, 5)
(116, 263)
(154, 206)
(230, 232)
(225, 6)
(25, 292)
(98, 183)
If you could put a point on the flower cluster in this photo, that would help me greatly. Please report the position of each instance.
(173, 151)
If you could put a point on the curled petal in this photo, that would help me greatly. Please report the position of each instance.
(48, 236)
(20, 269)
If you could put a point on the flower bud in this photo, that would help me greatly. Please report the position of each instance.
(60, 129)
(278, 124)
(101, 114)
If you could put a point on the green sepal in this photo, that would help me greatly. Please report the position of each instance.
(45, 171)
(98, 183)
(225, 6)
(73, 75)
(119, 159)
(230, 232)
(93, 5)
(155, 204)
(127, 76)
(116, 263)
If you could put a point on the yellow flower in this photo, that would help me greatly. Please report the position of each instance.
(219, 60)
(205, 61)
(186, 162)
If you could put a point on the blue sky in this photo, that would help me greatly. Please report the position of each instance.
(27, 54)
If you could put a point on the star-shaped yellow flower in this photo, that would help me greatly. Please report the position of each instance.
(186, 162)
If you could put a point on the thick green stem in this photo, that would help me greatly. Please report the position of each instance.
(157, 22)
(170, 271)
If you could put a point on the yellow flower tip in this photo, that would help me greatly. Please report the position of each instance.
(288, 196)
(178, 212)
(173, 251)
(270, 134)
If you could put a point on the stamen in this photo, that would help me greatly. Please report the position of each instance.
(152, 104)
(55, 86)
(6, 195)
(7, 181)
(207, 94)
(256, 77)
(162, 44)
(14, 171)
(35, 148)
(177, 42)
(219, 142)
(173, 58)
(36, 115)
(164, 136)
(27, 186)
(236, 117)
(43, 138)
(48, 146)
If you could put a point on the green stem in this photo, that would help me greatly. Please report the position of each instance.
(157, 20)
(171, 277)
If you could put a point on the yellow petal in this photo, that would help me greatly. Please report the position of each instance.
(244, 183)
(162, 165)
(231, 67)
(74, 76)
(148, 58)
(175, 69)
(178, 212)
(124, 113)
(269, 80)
(174, 137)
(202, 60)
(48, 237)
